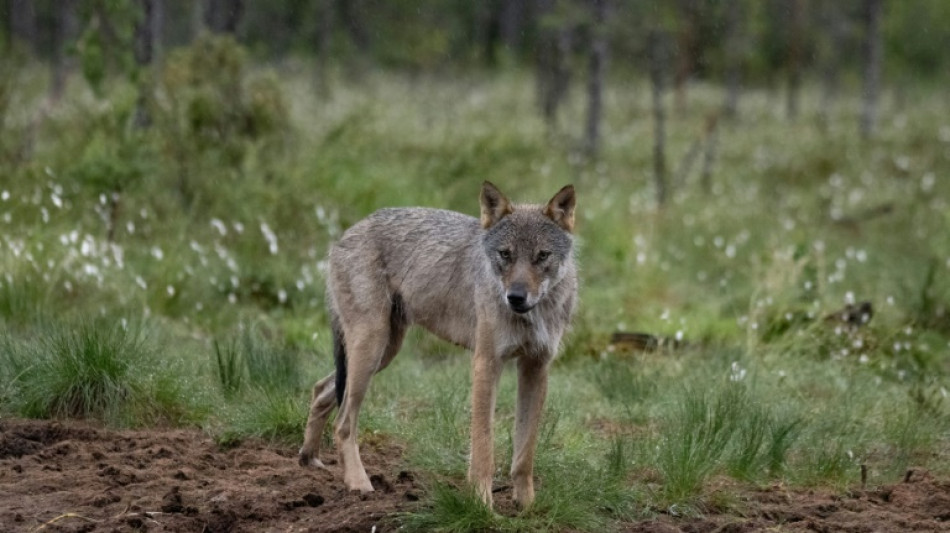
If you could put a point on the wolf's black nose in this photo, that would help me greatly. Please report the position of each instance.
(518, 298)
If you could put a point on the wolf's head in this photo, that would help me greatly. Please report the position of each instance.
(529, 247)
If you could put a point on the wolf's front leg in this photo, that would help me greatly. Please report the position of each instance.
(532, 389)
(486, 369)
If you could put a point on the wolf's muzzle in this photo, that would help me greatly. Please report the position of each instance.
(518, 299)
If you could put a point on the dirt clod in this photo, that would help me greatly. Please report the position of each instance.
(313, 500)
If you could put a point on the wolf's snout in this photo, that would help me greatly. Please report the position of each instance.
(518, 298)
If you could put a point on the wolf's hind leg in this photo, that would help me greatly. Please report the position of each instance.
(321, 406)
(368, 350)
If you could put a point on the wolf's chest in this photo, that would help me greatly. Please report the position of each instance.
(529, 336)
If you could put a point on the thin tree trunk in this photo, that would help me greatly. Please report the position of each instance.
(830, 54)
(65, 31)
(511, 23)
(686, 43)
(144, 50)
(872, 66)
(197, 18)
(595, 78)
(325, 13)
(158, 30)
(553, 76)
(795, 30)
(734, 54)
(23, 23)
(223, 16)
(235, 10)
(709, 154)
(657, 59)
(351, 14)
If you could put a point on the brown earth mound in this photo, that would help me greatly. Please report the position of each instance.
(74, 476)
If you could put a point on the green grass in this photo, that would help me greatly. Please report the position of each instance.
(219, 251)
(92, 369)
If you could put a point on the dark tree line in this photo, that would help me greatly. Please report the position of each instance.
(777, 44)
(772, 37)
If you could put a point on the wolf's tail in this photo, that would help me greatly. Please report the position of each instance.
(339, 356)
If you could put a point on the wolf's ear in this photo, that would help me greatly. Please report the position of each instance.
(494, 205)
(561, 208)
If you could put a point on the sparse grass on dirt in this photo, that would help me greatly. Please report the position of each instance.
(160, 278)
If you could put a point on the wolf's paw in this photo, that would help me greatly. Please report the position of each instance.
(360, 483)
(305, 457)
(308, 458)
(523, 495)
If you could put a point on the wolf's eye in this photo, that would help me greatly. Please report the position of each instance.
(505, 254)
(542, 255)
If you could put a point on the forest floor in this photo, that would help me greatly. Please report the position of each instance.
(76, 476)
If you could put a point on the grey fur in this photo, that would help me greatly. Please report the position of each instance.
(504, 286)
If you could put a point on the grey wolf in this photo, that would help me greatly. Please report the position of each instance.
(504, 286)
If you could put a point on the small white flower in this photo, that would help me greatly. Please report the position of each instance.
(270, 237)
(737, 373)
(218, 225)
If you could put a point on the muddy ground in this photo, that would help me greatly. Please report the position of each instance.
(74, 476)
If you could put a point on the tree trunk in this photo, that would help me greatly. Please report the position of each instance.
(553, 76)
(709, 153)
(795, 30)
(832, 42)
(734, 53)
(23, 23)
(64, 32)
(489, 16)
(158, 29)
(686, 44)
(144, 49)
(595, 78)
(324, 26)
(657, 59)
(872, 66)
(351, 13)
(511, 23)
(223, 16)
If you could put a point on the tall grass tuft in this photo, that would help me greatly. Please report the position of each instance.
(90, 370)
(275, 416)
(696, 440)
(229, 367)
(21, 300)
(455, 510)
(270, 366)
(252, 360)
(622, 383)
(729, 431)
(782, 434)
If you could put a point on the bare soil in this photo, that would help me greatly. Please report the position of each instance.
(76, 476)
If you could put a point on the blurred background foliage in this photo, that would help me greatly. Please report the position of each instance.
(752, 176)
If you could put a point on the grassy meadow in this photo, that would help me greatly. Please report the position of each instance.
(174, 275)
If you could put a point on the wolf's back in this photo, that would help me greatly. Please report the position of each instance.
(431, 258)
